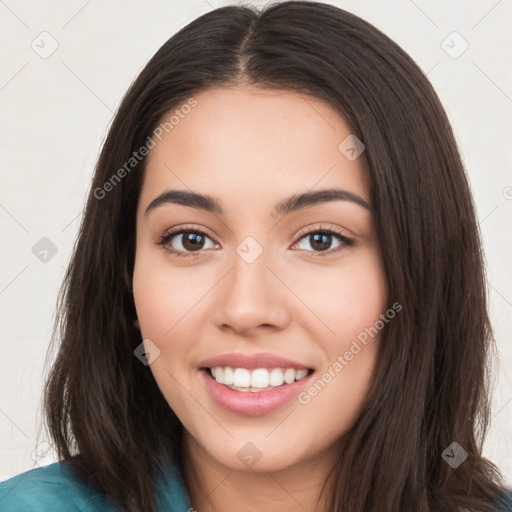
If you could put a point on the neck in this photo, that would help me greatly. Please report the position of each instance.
(213, 487)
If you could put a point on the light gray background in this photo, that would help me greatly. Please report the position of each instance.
(56, 110)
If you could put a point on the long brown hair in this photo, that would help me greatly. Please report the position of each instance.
(104, 411)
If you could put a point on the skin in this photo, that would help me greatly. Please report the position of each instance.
(251, 149)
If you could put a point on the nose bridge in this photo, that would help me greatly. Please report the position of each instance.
(250, 277)
(250, 295)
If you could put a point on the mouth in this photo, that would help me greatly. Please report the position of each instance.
(256, 380)
(254, 392)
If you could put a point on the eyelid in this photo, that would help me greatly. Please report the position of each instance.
(188, 229)
(323, 228)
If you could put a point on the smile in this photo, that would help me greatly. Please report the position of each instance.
(256, 380)
(249, 400)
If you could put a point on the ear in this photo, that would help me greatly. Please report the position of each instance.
(136, 324)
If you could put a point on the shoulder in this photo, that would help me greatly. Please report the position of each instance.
(55, 488)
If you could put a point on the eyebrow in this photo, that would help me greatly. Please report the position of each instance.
(291, 204)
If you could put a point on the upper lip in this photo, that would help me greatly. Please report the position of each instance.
(252, 361)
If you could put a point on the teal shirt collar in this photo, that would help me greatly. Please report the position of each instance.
(172, 493)
(57, 488)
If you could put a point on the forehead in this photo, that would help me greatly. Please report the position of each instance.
(248, 143)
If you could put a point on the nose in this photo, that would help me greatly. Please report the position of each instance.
(252, 298)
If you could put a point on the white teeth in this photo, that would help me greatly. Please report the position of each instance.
(276, 377)
(289, 375)
(228, 376)
(241, 378)
(258, 379)
(219, 374)
(300, 374)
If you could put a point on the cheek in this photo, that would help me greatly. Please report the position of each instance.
(347, 299)
(165, 295)
(350, 303)
(364, 301)
(165, 299)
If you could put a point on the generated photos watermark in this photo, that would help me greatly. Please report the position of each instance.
(343, 360)
(139, 155)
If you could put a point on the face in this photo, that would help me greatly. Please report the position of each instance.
(281, 293)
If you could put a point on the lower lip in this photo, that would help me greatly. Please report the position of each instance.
(249, 403)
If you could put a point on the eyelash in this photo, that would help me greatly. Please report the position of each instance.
(167, 237)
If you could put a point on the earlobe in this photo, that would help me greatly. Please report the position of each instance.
(136, 324)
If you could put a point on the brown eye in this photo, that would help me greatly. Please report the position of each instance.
(319, 241)
(322, 240)
(192, 241)
(186, 242)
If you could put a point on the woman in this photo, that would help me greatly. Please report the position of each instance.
(277, 298)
